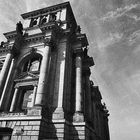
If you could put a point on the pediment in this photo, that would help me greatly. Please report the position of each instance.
(27, 75)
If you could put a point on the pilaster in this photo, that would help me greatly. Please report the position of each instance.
(78, 116)
(43, 73)
(5, 69)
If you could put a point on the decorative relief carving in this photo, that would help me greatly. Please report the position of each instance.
(47, 41)
(33, 50)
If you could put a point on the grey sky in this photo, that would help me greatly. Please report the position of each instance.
(113, 30)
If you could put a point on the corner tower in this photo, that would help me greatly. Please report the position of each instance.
(45, 87)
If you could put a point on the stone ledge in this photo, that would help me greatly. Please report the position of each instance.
(20, 118)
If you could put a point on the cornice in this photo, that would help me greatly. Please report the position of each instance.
(82, 38)
(50, 26)
(45, 10)
(4, 50)
(10, 35)
(35, 37)
(26, 80)
(88, 61)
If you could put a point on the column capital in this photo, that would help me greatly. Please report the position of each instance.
(12, 49)
(82, 38)
(78, 54)
(16, 87)
(35, 85)
(47, 41)
(77, 48)
(50, 41)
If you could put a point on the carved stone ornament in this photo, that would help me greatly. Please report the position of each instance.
(33, 50)
(47, 41)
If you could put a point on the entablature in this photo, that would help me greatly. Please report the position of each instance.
(10, 35)
(4, 51)
(37, 37)
(83, 39)
(45, 10)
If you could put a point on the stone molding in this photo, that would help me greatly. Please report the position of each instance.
(18, 116)
(24, 74)
(47, 10)
(4, 50)
(83, 39)
(10, 35)
(36, 37)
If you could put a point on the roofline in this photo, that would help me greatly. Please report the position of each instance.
(43, 10)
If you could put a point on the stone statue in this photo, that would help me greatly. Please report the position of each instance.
(2, 44)
(19, 28)
(91, 83)
(78, 29)
(85, 51)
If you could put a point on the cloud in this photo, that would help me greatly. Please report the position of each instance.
(112, 28)
(118, 12)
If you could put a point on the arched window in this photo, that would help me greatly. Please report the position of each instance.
(25, 84)
(34, 22)
(32, 64)
(52, 17)
(44, 20)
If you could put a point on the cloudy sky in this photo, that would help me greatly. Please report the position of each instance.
(113, 31)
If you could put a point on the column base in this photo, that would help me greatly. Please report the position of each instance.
(35, 111)
(78, 117)
(58, 113)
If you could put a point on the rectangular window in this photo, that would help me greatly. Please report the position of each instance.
(23, 98)
(27, 98)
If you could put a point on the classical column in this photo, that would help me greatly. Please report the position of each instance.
(61, 84)
(78, 105)
(88, 103)
(14, 100)
(6, 84)
(43, 74)
(34, 95)
(78, 116)
(5, 70)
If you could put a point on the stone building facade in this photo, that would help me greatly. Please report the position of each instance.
(45, 87)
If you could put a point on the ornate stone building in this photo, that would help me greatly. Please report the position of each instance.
(45, 87)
